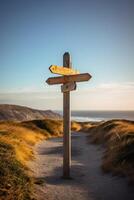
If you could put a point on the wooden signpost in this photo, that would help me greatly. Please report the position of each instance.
(69, 79)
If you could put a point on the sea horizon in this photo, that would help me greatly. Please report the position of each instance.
(100, 115)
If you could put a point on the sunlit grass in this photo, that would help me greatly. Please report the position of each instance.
(14, 182)
(118, 138)
(16, 148)
(18, 139)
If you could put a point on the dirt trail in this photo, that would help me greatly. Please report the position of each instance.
(88, 182)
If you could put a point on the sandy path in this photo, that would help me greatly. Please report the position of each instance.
(88, 183)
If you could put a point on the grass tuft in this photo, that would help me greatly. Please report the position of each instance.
(118, 138)
(14, 183)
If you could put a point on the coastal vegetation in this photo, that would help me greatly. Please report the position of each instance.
(16, 149)
(17, 140)
(117, 136)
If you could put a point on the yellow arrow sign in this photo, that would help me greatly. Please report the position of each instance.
(62, 70)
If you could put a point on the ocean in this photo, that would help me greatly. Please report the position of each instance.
(83, 116)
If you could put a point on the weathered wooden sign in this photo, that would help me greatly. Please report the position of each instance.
(69, 78)
(70, 86)
(68, 81)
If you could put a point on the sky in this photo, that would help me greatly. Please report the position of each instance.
(99, 35)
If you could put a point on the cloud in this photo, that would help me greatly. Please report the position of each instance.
(110, 87)
(41, 100)
(117, 86)
(105, 96)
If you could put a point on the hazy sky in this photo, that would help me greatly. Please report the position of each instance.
(99, 34)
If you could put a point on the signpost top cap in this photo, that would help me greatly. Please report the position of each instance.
(67, 60)
(66, 54)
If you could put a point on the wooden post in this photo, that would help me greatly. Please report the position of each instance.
(69, 79)
(66, 125)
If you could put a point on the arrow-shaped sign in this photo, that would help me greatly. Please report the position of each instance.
(70, 78)
(62, 70)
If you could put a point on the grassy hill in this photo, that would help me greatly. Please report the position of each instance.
(18, 138)
(16, 148)
(118, 138)
(21, 113)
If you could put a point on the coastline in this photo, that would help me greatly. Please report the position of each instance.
(98, 116)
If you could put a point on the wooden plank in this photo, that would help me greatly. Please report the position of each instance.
(68, 87)
(78, 77)
(55, 80)
(69, 78)
(62, 70)
(66, 125)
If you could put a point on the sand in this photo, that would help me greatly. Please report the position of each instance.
(88, 181)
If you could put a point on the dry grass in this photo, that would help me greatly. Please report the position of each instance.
(16, 148)
(118, 138)
(17, 141)
(48, 127)
(14, 182)
(21, 138)
(82, 126)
